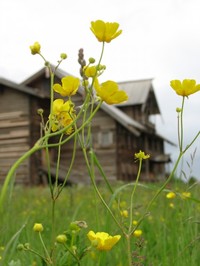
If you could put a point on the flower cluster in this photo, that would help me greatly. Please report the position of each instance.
(141, 155)
(62, 116)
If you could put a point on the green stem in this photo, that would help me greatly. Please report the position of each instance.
(45, 249)
(92, 178)
(132, 194)
(38, 254)
(129, 252)
(58, 163)
(72, 253)
(181, 125)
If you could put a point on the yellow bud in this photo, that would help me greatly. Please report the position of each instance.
(63, 56)
(38, 227)
(35, 48)
(137, 233)
(61, 239)
(178, 110)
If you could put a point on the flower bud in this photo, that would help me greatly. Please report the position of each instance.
(91, 60)
(38, 227)
(61, 239)
(137, 233)
(26, 245)
(178, 110)
(63, 56)
(20, 247)
(35, 48)
(40, 111)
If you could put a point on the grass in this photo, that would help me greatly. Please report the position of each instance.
(171, 231)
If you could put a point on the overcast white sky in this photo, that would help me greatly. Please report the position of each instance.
(160, 40)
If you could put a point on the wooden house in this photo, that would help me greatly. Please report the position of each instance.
(118, 132)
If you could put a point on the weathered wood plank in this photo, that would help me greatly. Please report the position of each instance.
(11, 115)
(9, 124)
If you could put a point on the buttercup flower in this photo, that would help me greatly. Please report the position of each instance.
(186, 87)
(102, 240)
(109, 92)
(62, 115)
(69, 86)
(137, 233)
(35, 48)
(38, 227)
(170, 195)
(141, 155)
(105, 31)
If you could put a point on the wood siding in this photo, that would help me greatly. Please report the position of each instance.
(14, 133)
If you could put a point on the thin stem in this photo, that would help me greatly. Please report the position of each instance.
(129, 250)
(133, 192)
(92, 178)
(72, 253)
(45, 249)
(58, 162)
(181, 125)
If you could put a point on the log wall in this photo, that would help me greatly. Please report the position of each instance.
(14, 133)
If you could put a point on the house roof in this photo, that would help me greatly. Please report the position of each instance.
(21, 88)
(139, 91)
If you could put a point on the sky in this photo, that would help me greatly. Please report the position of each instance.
(160, 40)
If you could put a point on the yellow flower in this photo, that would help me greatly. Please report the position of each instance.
(185, 195)
(141, 155)
(69, 86)
(62, 116)
(124, 213)
(137, 233)
(38, 227)
(102, 240)
(35, 48)
(105, 31)
(186, 87)
(109, 92)
(171, 205)
(170, 195)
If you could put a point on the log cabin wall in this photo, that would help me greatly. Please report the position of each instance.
(14, 133)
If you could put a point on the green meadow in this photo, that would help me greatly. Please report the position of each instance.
(170, 232)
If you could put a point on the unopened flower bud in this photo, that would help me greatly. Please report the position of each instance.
(63, 56)
(26, 245)
(178, 110)
(35, 48)
(91, 60)
(61, 239)
(38, 227)
(40, 111)
(85, 83)
(20, 247)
